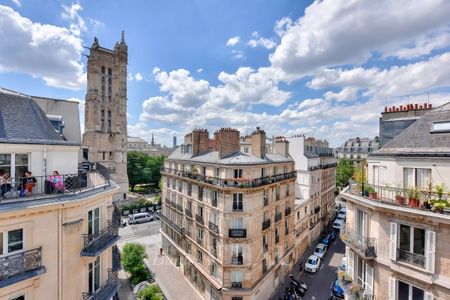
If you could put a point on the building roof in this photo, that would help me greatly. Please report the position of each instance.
(419, 139)
(132, 139)
(237, 158)
(22, 121)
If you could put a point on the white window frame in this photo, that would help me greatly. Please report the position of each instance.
(12, 166)
(5, 242)
(95, 263)
(17, 297)
(237, 276)
(94, 220)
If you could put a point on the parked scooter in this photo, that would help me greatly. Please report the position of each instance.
(300, 283)
(298, 289)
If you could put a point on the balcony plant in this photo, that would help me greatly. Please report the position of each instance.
(371, 192)
(356, 290)
(399, 198)
(413, 196)
(344, 278)
(439, 204)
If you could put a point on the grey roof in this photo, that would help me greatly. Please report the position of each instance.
(22, 121)
(238, 158)
(418, 140)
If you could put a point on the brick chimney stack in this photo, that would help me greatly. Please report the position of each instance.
(200, 141)
(281, 146)
(226, 142)
(258, 139)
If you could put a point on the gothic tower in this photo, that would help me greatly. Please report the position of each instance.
(105, 121)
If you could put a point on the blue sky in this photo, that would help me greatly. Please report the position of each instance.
(324, 68)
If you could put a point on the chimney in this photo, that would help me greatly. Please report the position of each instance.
(200, 141)
(259, 143)
(281, 146)
(226, 142)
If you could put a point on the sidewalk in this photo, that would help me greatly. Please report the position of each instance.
(125, 292)
(168, 277)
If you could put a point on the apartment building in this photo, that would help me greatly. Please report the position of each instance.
(57, 238)
(316, 180)
(227, 216)
(398, 230)
(357, 149)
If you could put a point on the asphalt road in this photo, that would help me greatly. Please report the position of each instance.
(319, 284)
(144, 233)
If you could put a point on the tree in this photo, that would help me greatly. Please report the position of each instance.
(143, 169)
(344, 171)
(133, 262)
(152, 292)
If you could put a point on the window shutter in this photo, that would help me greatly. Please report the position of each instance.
(350, 263)
(430, 249)
(428, 296)
(369, 280)
(393, 241)
(392, 288)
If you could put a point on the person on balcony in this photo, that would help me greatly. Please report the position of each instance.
(57, 182)
(28, 183)
(5, 183)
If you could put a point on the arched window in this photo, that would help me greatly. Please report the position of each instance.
(103, 83)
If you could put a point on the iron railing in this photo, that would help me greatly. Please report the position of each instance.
(366, 246)
(180, 208)
(95, 243)
(199, 219)
(411, 258)
(236, 285)
(107, 290)
(266, 200)
(278, 216)
(265, 224)
(188, 213)
(230, 182)
(116, 259)
(277, 239)
(44, 187)
(287, 211)
(214, 227)
(19, 263)
(237, 233)
(172, 224)
(237, 260)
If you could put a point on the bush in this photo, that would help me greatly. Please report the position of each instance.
(152, 292)
(133, 262)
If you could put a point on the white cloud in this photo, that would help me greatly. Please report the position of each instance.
(138, 76)
(199, 70)
(283, 25)
(17, 2)
(40, 50)
(258, 41)
(336, 32)
(238, 54)
(78, 24)
(233, 41)
(346, 94)
(130, 77)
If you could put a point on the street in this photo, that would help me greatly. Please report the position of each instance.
(145, 233)
(319, 284)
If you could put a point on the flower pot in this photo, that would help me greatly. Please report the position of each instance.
(413, 203)
(373, 195)
(400, 200)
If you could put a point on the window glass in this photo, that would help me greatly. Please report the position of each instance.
(5, 162)
(94, 221)
(22, 297)
(403, 290)
(15, 240)
(405, 237)
(21, 164)
(419, 241)
(94, 275)
(417, 294)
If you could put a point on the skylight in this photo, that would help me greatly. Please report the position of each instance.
(441, 127)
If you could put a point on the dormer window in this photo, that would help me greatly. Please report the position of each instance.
(440, 127)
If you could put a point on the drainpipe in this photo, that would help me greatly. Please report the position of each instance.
(44, 166)
(60, 254)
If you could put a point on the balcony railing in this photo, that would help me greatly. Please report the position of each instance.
(351, 288)
(116, 259)
(172, 224)
(325, 166)
(265, 247)
(411, 258)
(188, 213)
(180, 208)
(277, 239)
(237, 260)
(21, 189)
(265, 224)
(199, 219)
(107, 290)
(365, 246)
(214, 227)
(94, 244)
(237, 233)
(173, 204)
(278, 217)
(236, 285)
(266, 201)
(200, 241)
(415, 198)
(287, 211)
(20, 266)
(231, 182)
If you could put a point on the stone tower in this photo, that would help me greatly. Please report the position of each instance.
(105, 121)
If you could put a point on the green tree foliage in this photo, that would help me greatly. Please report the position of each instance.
(133, 262)
(344, 172)
(143, 169)
(152, 292)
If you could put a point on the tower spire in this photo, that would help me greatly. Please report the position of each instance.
(153, 140)
(123, 36)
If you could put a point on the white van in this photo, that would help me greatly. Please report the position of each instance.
(139, 218)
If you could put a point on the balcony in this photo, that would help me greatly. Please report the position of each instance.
(266, 201)
(237, 233)
(199, 219)
(351, 288)
(416, 199)
(230, 182)
(107, 290)
(265, 224)
(277, 239)
(200, 241)
(236, 285)
(411, 258)
(324, 166)
(213, 227)
(278, 216)
(63, 187)
(188, 213)
(180, 208)
(363, 245)
(237, 260)
(116, 259)
(287, 211)
(16, 267)
(173, 204)
(172, 224)
(238, 208)
(94, 244)
(265, 247)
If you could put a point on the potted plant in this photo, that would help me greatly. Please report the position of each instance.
(372, 193)
(399, 198)
(413, 196)
(439, 204)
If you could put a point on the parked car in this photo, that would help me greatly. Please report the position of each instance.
(312, 264)
(341, 217)
(139, 218)
(333, 235)
(343, 265)
(321, 250)
(337, 292)
(327, 239)
(338, 224)
(343, 210)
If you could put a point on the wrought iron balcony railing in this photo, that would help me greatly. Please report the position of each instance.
(214, 227)
(266, 200)
(287, 211)
(237, 233)
(116, 259)
(277, 239)
(172, 224)
(265, 224)
(237, 260)
(19, 266)
(180, 208)
(188, 213)
(230, 182)
(199, 219)
(236, 285)
(94, 244)
(278, 216)
(411, 258)
(364, 245)
(107, 290)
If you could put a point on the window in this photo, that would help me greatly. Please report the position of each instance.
(214, 269)
(200, 211)
(109, 121)
(14, 163)
(236, 278)
(439, 127)
(213, 218)
(236, 258)
(199, 256)
(94, 275)
(416, 177)
(200, 233)
(189, 192)
(277, 192)
(237, 173)
(94, 221)
(21, 297)
(409, 292)
(237, 202)
(412, 244)
(200, 193)
(216, 172)
(103, 83)
(11, 241)
(215, 196)
(109, 84)
(287, 189)
(237, 223)
(102, 120)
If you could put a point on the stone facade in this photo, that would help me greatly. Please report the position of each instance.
(105, 129)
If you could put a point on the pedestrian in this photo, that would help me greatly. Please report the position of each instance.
(160, 251)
